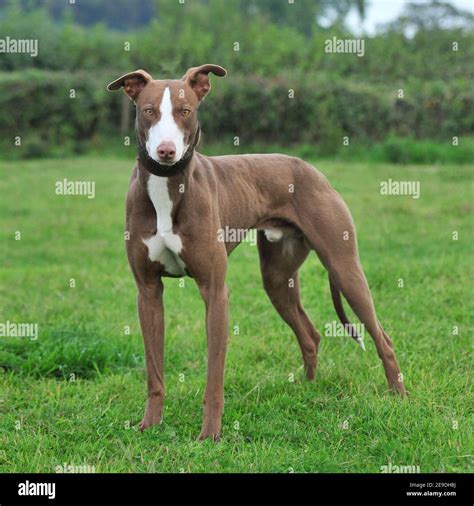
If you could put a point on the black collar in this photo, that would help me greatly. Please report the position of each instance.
(162, 170)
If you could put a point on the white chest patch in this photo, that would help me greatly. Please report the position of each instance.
(164, 246)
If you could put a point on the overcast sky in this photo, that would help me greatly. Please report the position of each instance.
(383, 11)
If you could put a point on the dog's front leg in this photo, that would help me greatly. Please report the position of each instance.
(216, 299)
(150, 310)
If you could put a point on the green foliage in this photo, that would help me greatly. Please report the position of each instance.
(303, 15)
(184, 35)
(50, 120)
(255, 109)
(64, 46)
(396, 150)
(335, 95)
(403, 150)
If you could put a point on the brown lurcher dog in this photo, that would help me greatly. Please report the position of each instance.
(177, 202)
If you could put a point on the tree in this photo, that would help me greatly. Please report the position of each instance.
(432, 16)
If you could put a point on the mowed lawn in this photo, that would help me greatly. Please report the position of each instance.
(76, 395)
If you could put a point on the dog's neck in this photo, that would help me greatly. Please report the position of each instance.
(162, 170)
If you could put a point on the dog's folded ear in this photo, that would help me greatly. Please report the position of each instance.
(198, 78)
(132, 83)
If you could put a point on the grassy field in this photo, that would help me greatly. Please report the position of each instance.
(75, 395)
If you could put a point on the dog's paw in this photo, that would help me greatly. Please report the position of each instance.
(150, 419)
(211, 429)
(309, 372)
(398, 388)
(213, 436)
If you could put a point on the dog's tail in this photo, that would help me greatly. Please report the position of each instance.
(337, 301)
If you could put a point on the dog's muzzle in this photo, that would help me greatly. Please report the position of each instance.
(163, 169)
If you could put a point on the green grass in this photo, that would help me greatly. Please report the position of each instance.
(77, 394)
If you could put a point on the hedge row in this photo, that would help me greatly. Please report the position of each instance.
(72, 110)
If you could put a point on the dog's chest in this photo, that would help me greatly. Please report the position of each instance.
(165, 246)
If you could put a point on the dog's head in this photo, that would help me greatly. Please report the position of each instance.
(166, 122)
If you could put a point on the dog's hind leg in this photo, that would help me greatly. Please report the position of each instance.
(332, 235)
(351, 281)
(279, 264)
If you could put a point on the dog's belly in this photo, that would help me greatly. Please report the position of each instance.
(164, 246)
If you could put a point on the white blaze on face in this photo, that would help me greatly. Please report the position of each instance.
(165, 130)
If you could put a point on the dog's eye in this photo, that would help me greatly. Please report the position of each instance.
(149, 111)
(185, 112)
